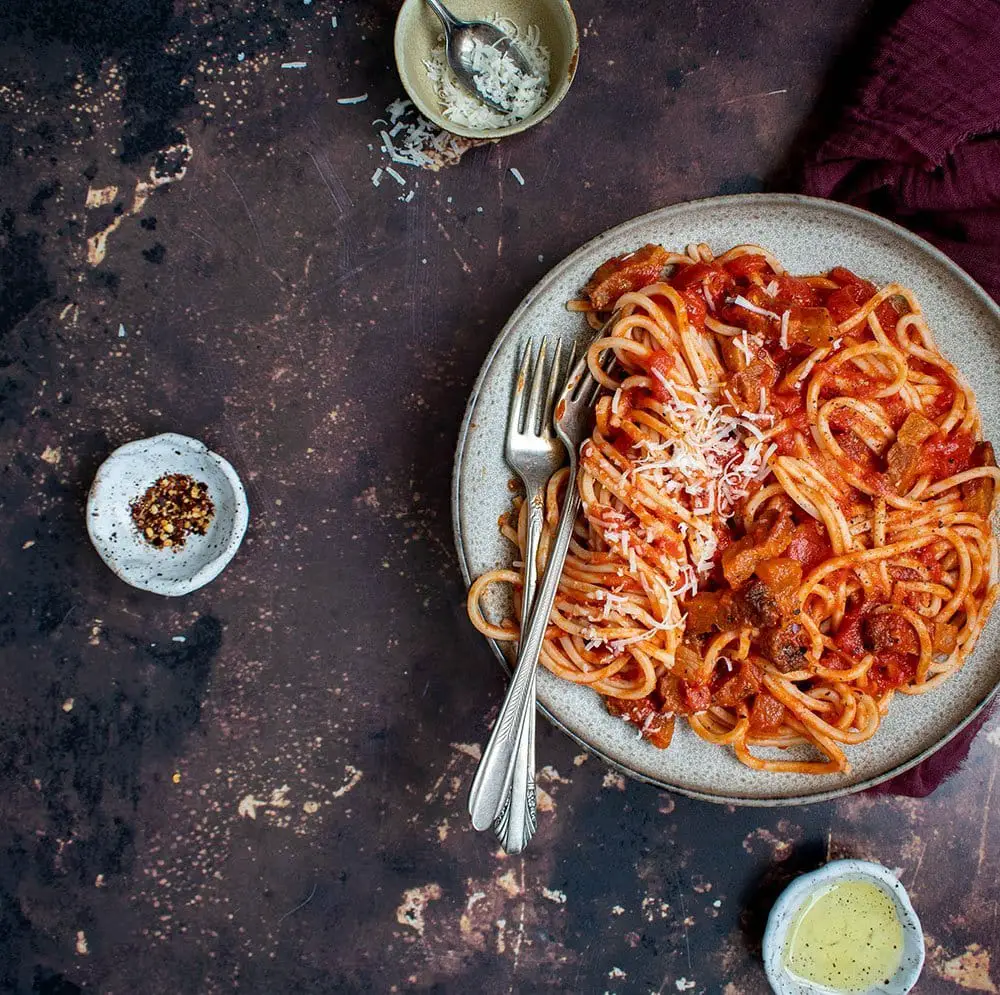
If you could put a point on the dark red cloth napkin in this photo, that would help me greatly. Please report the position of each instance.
(919, 142)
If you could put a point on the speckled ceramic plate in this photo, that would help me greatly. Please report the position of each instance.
(808, 235)
(124, 477)
(786, 910)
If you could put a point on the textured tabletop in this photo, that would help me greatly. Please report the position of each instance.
(261, 786)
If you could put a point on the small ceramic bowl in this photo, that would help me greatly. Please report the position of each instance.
(125, 476)
(838, 872)
(418, 29)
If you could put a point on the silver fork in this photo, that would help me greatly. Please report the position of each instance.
(506, 771)
(534, 453)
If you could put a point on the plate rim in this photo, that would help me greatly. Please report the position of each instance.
(777, 199)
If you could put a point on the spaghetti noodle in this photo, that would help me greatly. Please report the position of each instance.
(786, 507)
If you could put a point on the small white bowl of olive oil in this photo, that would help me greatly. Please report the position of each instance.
(848, 927)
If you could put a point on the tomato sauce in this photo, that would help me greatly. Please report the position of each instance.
(943, 456)
(659, 364)
(891, 670)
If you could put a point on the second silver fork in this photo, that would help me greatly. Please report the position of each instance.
(534, 452)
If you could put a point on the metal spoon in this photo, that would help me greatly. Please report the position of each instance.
(459, 38)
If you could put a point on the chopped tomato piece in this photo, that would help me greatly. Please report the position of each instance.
(669, 689)
(841, 305)
(697, 308)
(737, 685)
(853, 292)
(623, 443)
(660, 365)
(810, 544)
(888, 315)
(623, 274)
(699, 275)
(788, 404)
(945, 455)
(794, 290)
(697, 697)
(743, 388)
(978, 494)
(767, 713)
(656, 726)
(747, 265)
(769, 537)
(864, 289)
(895, 409)
(848, 637)
(703, 612)
(785, 442)
(891, 670)
(782, 576)
(945, 637)
(811, 326)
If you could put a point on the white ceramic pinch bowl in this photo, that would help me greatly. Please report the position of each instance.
(783, 982)
(126, 475)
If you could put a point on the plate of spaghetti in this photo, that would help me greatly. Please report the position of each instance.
(781, 576)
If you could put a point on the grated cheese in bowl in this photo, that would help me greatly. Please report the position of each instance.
(498, 77)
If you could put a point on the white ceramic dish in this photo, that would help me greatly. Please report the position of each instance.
(836, 872)
(125, 475)
(808, 235)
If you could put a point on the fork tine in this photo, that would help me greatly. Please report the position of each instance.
(535, 401)
(550, 396)
(580, 372)
(517, 401)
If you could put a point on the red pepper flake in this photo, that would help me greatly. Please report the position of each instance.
(175, 507)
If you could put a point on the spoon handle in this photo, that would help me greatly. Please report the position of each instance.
(448, 19)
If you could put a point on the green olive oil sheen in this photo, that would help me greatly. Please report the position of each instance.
(847, 937)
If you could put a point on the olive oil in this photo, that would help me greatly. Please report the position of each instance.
(847, 937)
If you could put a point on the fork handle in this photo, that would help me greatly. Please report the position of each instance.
(485, 798)
(507, 765)
(517, 819)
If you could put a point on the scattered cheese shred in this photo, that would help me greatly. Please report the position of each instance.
(516, 173)
(396, 176)
(408, 139)
(353, 100)
(742, 302)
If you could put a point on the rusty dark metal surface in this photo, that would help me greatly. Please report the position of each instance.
(261, 787)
